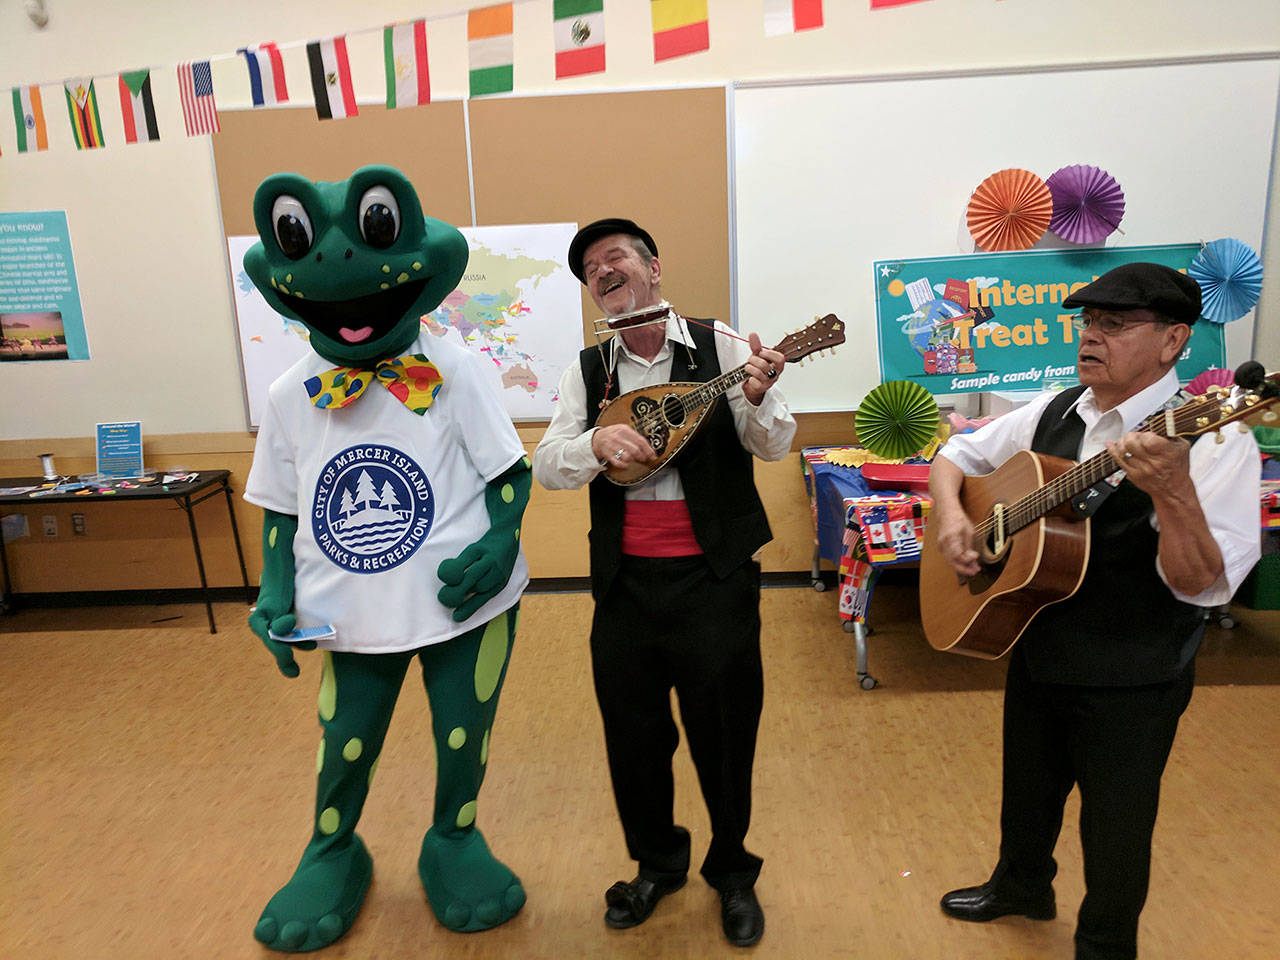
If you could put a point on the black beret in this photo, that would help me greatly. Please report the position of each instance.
(603, 228)
(1142, 286)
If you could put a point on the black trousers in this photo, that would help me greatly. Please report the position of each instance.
(664, 624)
(1113, 742)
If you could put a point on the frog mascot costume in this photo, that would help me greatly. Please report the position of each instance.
(393, 484)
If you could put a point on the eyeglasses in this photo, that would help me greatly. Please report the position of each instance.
(1107, 324)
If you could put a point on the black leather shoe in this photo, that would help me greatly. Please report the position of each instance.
(987, 902)
(631, 903)
(742, 917)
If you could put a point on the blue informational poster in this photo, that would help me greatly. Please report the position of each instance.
(996, 321)
(119, 447)
(40, 315)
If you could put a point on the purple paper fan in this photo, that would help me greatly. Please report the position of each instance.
(1088, 203)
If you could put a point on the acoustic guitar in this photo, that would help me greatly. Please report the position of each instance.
(1032, 546)
(669, 414)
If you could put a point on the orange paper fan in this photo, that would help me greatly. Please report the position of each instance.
(1010, 210)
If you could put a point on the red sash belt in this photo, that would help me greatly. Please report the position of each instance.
(658, 528)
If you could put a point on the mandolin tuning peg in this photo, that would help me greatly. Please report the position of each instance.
(1243, 428)
(1268, 416)
(1219, 438)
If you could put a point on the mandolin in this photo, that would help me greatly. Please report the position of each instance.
(669, 414)
(1032, 547)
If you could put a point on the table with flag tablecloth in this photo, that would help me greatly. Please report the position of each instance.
(862, 531)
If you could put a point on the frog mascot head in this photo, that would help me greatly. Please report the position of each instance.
(356, 262)
(410, 495)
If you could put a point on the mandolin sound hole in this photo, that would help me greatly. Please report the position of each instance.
(673, 411)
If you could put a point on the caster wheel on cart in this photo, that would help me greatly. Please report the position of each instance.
(818, 586)
(1227, 621)
(849, 626)
(867, 682)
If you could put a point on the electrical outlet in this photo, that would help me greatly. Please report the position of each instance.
(50, 526)
(77, 524)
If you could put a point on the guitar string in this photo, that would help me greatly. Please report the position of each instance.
(1083, 475)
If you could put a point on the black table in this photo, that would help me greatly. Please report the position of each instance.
(186, 494)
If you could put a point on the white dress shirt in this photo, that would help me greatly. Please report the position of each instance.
(1226, 475)
(563, 459)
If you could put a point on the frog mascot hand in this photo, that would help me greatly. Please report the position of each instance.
(393, 485)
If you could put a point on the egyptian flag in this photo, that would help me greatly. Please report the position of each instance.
(82, 106)
(28, 114)
(266, 74)
(136, 107)
(331, 79)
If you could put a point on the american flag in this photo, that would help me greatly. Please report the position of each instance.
(195, 84)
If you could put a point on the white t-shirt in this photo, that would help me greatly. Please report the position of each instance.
(382, 496)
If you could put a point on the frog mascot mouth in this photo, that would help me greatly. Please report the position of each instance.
(392, 484)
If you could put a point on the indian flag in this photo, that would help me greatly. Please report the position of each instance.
(679, 28)
(136, 107)
(490, 50)
(404, 46)
(82, 106)
(579, 29)
(28, 113)
(788, 16)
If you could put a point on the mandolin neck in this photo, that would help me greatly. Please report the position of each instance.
(708, 391)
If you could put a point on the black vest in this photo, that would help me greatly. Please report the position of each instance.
(728, 518)
(1123, 627)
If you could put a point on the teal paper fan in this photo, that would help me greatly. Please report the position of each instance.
(1230, 278)
(896, 419)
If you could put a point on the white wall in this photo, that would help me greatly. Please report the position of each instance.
(144, 220)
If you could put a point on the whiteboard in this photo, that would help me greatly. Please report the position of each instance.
(831, 176)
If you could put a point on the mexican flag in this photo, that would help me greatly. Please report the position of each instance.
(579, 30)
(404, 47)
(490, 50)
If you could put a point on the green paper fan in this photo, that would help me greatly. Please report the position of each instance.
(896, 419)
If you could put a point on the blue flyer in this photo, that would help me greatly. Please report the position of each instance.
(119, 447)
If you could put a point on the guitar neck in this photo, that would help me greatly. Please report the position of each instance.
(1058, 491)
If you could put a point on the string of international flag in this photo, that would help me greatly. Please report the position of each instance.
(680, 28)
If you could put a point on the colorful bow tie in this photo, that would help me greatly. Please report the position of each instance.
(413, 380)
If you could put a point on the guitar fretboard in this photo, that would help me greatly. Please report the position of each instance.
(1058, 491)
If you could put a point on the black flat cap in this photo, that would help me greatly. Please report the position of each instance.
(603, 228)
(1142, 286)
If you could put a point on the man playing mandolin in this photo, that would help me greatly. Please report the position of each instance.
(1098, 681)
(672, 570)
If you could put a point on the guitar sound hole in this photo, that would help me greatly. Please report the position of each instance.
(673, 411)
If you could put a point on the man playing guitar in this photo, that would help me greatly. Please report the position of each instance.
(1098, 681)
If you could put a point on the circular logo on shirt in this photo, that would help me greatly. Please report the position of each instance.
(372, 508)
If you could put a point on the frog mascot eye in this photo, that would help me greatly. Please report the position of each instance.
(292, 226)
(379, 217)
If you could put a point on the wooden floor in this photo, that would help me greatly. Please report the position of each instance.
(157, 789)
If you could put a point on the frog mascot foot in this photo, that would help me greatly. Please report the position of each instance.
(468, 888)
(320, 902)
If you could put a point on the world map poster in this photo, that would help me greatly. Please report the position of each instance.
(518, 308)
